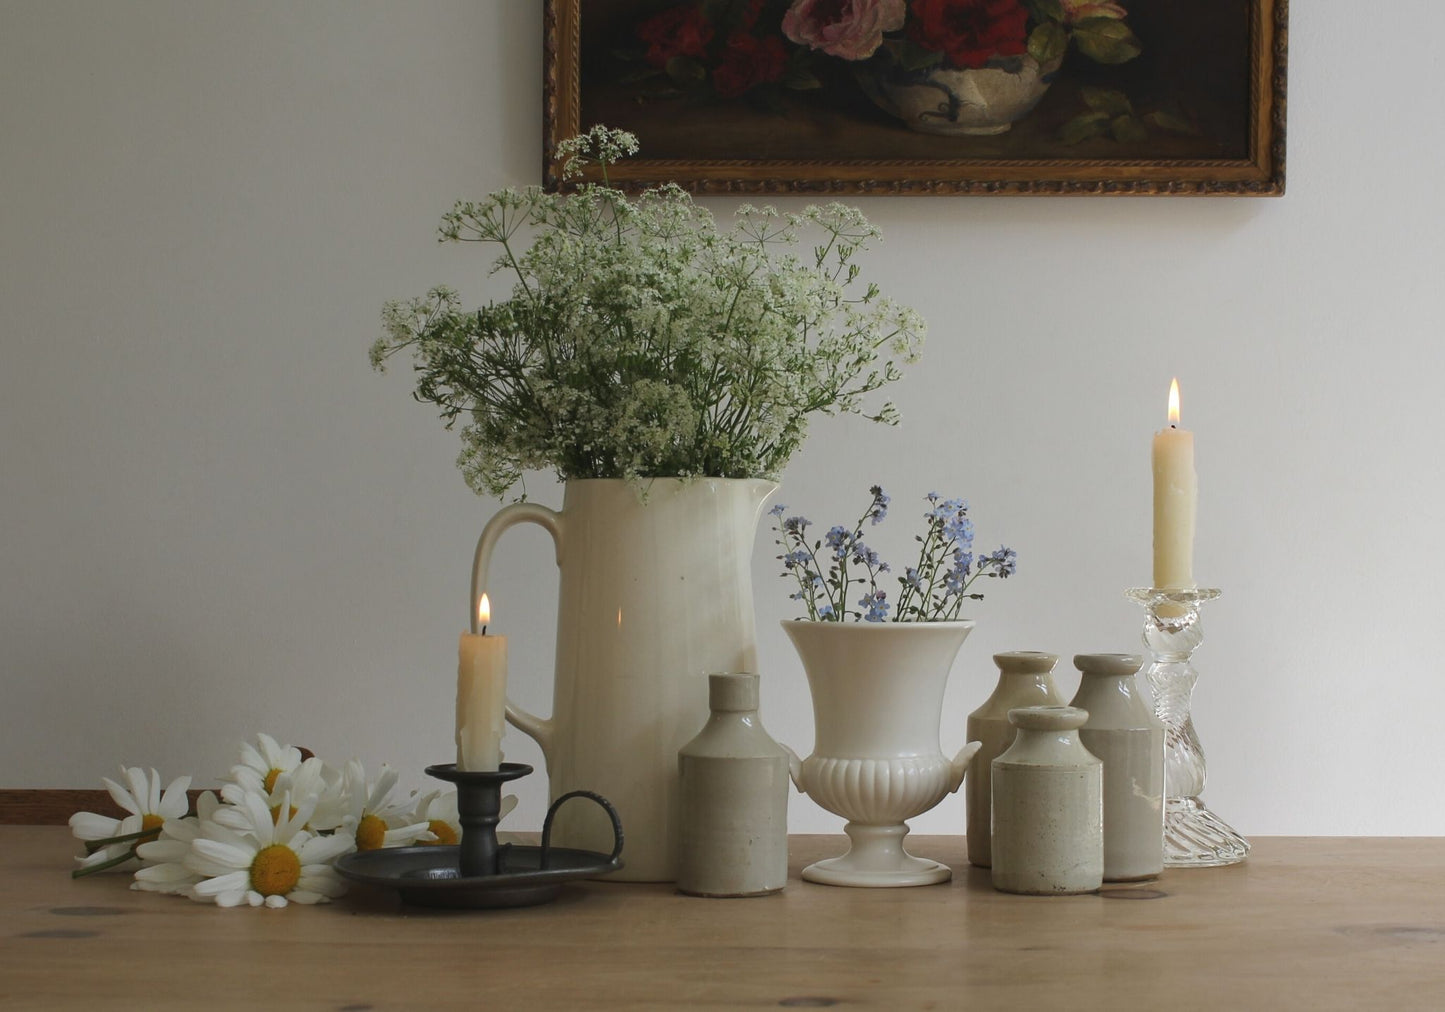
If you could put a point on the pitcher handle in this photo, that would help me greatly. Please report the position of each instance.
(538, 729)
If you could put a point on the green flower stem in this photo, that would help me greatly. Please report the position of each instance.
(104, 865)
(144, 835)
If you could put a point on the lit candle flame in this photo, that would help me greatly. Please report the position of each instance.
(484, 611)
(1174, 402)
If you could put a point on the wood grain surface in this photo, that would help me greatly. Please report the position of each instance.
(1319, 923)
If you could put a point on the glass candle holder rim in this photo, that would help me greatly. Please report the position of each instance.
(1153, 596)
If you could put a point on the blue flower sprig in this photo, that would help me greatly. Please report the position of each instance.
(834, 567)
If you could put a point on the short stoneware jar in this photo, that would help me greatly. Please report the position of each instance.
(1126, 736)
(733, 799)
(1048, 806)
(1025, 678)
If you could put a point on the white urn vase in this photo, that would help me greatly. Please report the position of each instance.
(877, 693)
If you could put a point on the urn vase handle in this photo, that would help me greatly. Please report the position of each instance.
(795, 768)
(539, 729)
(959, 766)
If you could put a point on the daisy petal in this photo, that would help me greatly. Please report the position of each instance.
(102, 855)
(226, 899)
(170, 872)
(139, 787)
(153, 792)
(163, 850)
(89, 826)
(275, 902)
(321, 880)
(321, 850)
(252, 759)
(120, 796)
(211, 858)
(384, 784)
(303, 896)
(174, 804)
(221, 885)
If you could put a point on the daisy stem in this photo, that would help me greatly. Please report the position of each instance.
(91, 846)
(92, 869)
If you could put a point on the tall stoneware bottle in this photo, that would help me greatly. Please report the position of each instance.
(1124, 733)
(1048, 807)
(1025, 678)
(732, 799)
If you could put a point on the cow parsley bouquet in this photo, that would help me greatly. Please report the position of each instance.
(640, 339)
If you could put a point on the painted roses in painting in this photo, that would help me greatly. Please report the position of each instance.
(847, 29)
(677, 32)
(756, 49)
(970, 32)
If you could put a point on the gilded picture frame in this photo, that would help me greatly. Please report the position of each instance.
(1181, 100)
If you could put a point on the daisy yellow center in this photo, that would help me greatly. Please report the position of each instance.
(370, 832)
(151, 825)
(270, 782)
(444, 833)
(275, 871)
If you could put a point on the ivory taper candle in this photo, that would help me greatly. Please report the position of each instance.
(481, 695)
(1176, 494)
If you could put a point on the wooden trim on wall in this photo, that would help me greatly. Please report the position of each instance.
(54, 807)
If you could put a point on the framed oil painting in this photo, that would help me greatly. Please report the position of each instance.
(1150, 97)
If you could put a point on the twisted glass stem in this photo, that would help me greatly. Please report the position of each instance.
(1193, 835)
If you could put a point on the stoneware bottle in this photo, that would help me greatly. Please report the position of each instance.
(733, 799)
(1025, 678)
(1048, 806)
(1124, 733)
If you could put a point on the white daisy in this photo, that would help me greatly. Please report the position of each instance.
(270, 862)
(149, 810)
(444, 826)
(259, 767)
(165, 870)
(304, 785)
(375, 818)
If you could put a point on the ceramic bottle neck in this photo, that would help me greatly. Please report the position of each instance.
(1015, 686)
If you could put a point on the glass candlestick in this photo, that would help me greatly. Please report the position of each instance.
(1194, 837)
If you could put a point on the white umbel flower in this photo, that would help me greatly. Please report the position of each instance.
(148, 810)
(165, 858)
(269, 863)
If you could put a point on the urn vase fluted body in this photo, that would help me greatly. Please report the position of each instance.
(877, 692)
(655, 592)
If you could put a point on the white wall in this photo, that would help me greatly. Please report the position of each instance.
(217, 519)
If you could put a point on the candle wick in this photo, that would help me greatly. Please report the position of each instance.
(484, 630)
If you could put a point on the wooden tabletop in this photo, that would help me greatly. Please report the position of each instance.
(1317, 923)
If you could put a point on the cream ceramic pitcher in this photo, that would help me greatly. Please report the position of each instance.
(655, 593)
